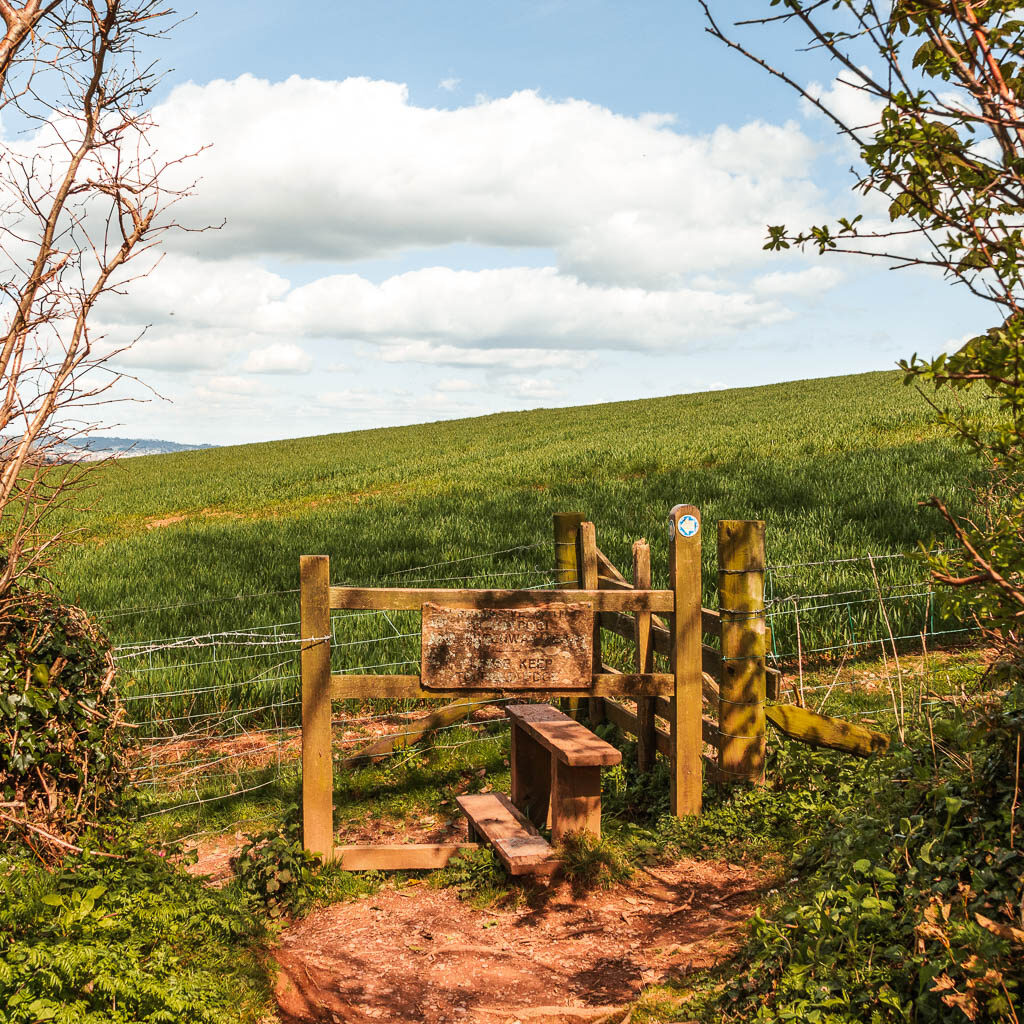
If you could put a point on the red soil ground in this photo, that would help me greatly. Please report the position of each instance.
(416, 954)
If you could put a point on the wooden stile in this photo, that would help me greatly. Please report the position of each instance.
(741, 561)
(643, 660)
(508, 626)
(684, 569)
(317, 773)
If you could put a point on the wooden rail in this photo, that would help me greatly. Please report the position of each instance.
(413, 599)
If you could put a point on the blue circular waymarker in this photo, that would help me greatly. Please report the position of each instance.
(688, 526)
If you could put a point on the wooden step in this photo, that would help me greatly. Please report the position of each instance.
(573, 744)
(521, 848)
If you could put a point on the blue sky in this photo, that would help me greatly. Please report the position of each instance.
(451, 209)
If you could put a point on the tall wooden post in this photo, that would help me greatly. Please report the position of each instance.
(686, 712)
(317, 773)
(566, 567)
(741, 560)
(645, 748)
(567, 572)
(586, 557)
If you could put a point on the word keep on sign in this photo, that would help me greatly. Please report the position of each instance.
(508, 649)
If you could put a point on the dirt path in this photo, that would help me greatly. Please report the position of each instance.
(421, 955)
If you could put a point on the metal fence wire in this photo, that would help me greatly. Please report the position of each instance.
(217, 714)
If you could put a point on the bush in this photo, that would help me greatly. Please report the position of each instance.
(910, 902)
(61, 742)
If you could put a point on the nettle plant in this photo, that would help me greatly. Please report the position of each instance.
(945, 155)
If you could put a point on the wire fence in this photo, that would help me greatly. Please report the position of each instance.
(823, 609)
(217, 714)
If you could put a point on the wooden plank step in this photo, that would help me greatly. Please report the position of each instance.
(521, 848)
(573, 744)
(400, 856)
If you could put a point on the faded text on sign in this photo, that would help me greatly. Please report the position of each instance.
(508, 648)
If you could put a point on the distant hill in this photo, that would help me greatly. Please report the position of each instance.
(95, 447)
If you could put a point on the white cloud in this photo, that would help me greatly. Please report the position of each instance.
(516, 307)
(848, 100)
(349, 170)
(516, 317)
(279, 358)
(536, 389)
(813, 280)
(455, 384)
(449, 84)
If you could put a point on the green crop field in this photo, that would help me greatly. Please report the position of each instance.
(205, 542)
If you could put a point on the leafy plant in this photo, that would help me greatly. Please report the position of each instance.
(906, 894)
(475, 875)
(61, 741)
(944, 152)
(275, 867)
(125, 938)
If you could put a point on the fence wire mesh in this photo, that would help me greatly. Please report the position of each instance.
(217, 714)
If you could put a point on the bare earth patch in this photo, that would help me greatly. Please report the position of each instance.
(421, 955)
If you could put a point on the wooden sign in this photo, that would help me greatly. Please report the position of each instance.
(508, 649)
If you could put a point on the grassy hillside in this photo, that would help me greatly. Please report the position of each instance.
(836, 466)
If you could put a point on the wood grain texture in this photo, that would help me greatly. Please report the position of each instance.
(566, 525)
(413, 599)
(515, 840)
(530, 765)
(571, 743)
(586, 540)
(507, 649)
(350, 686)
(575, 800)
(686, 656)
(741, 561)
(400, 856)
(317, 773)
(643, 660)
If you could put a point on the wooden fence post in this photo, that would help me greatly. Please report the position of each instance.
(566, 568)
(741, 722)
(586, 558)
(645, 737)
(686, 711)
(567, 572)
(317, 770)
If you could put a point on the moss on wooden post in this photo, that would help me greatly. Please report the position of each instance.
(566, 567)
(741, 721)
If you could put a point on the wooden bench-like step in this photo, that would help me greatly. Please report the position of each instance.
(521, 848)
(573, 744)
